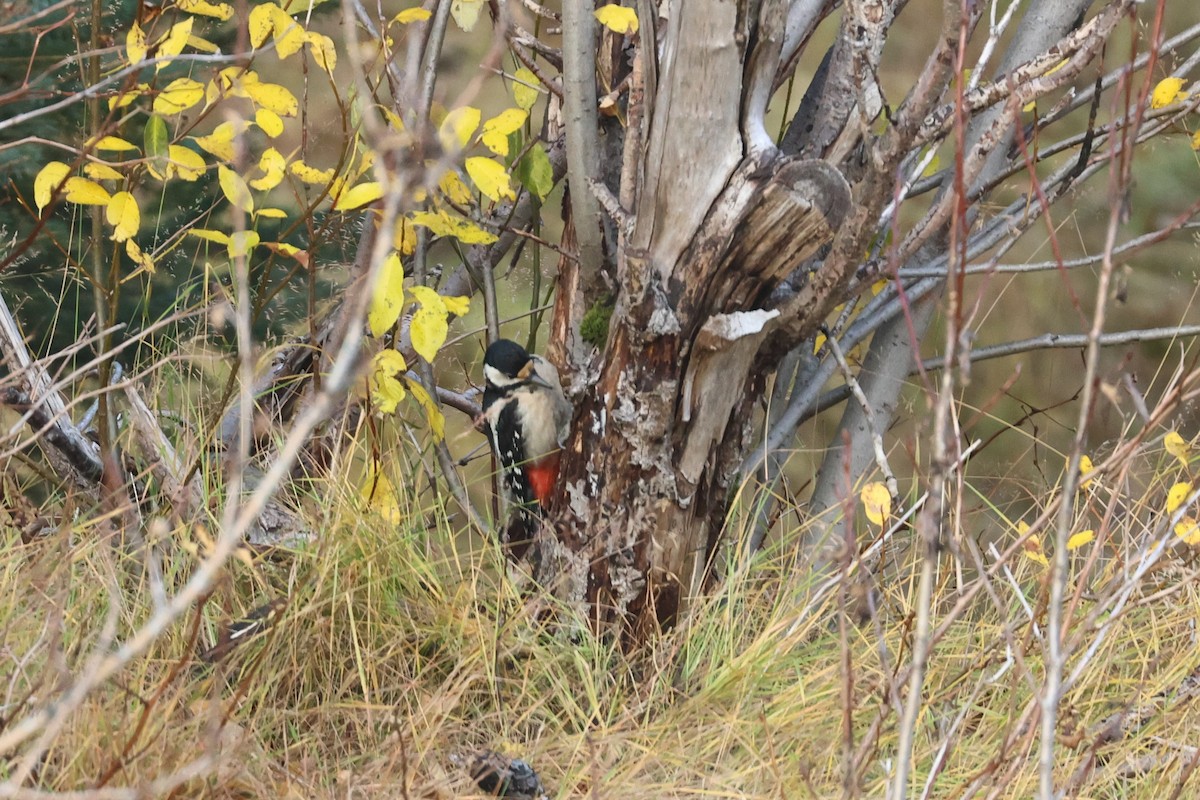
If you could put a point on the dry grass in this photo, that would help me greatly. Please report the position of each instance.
(402, 644)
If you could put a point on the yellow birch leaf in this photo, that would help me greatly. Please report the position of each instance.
(180, 95)
(201, 44)
(490, 178)
(123, 215)
(135, 44)
(49, 178)
(273, 165)
(101, 172)
(618, 19)
(85, 193)
(457, 128)
(125, 98)
(1080, 539)
(220, 141)
(437, 420)
(358, 196)
(386, 391)
(1176, 495)
(1167, 91)
(497, 129)
(1177, 446)
(380, 497)
(203, 8)
(455, 190)
(277, 213)
(412, 15)
(388, 300)
(1085, 469)
(1188, 530)
(235, 189)
(142, 259)
(458, 306)
(261, 24)
(242, 242)
(289, 35)
(525, 91)
(310, 175)
(1032, 546)
(877, 502)
(429, 326)
(269, 122)
(466, 13)
(323, 51)
(273, 97)
(184, 162)
(404, 237)
(220, 237)
(1196, 140)
(114, 143)
(442, 224)
(818, 343)
(173, 43)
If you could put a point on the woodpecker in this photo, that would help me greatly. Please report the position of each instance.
(525, 415)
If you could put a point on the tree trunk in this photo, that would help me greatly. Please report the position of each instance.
(718, 219)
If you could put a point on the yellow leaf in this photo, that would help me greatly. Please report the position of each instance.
(180, 95)
(525, 88)
(289, 36)
(458, 306)
(123, 215)
(437, 420)
(1030, 106)
(618, 19)
(1176, 495)
(1188, 530)
(173, 43)
(85, 192)
(143, 260)
(818, 343)
(1032, 545)
(261, 24)
(497, 129)
(1167, 91)
(311, 175)
(277, 213)
(235, 189)
(273, 97)
(442, 224)
(412, 15)
(273, 165)
(220, 237)
(184, 162)
(102, 172)
(877, 502)
(269, 122)
(242, 242)
(404, 238)
(358, 196)
(1085, 469)
(466, 13)
(429, 326)
(221, 11)
(220, 141)
(388, 300)
(1080, 539)
(114, 143)
(455, 190)
(1196, 140)
(386, 391)
(125, 98)
(135, 44)
(1176, 446)
(457, 128)
(490, 178)
(49, 178)
(323, 51)
(377, 491)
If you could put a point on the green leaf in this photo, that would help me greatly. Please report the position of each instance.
(534, 171)
(154, 142)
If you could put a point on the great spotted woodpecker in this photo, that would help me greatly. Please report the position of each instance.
(525, 415)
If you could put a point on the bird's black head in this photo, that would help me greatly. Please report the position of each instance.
(506, 363)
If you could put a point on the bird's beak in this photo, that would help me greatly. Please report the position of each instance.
(529, 373)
